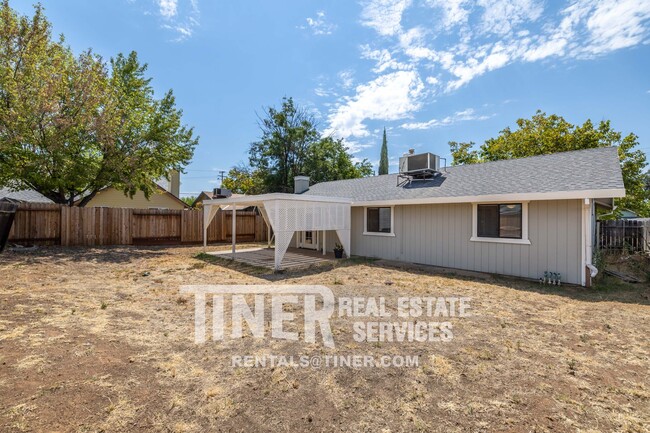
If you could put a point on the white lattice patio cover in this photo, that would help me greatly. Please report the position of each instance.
(290, 213)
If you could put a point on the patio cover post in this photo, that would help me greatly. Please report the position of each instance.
(324, 242)
(206, 217)
(234, 229)
(282, 241)
(208, 213)
(344, 237)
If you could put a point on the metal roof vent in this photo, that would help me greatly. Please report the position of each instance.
(417, 166)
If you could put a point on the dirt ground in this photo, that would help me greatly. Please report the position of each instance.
(101, 339)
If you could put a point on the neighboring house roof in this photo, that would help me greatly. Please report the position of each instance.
(203, 195)
(628, 214)
(597, 172)
(26, 195)
(130, 202)
(208, 195)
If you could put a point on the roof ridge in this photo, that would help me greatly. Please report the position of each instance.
(484, 163)
(543, 155)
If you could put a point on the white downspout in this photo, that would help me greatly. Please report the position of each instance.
(234, 229)
(590, 240)
(587, 241)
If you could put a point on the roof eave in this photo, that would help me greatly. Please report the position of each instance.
(254, 200)
(537, 196)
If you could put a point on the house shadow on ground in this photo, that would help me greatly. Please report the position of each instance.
(607, 289)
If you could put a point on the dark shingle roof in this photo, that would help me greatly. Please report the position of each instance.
(591, 169)
(26, 195)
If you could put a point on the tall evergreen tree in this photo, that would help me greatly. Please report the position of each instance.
(383, 160)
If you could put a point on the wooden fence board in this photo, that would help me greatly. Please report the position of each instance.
(191, 227)
(216, 228)
(633, 235)
(37, 221)
(245, 226)
(51, 224)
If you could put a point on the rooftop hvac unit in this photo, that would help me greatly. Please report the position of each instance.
(420, 166)
(221, 193)
(413, 163)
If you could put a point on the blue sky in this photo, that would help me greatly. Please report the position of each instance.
(430, 71)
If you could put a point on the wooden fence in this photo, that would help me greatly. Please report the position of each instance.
(633, 235)
(52, 224)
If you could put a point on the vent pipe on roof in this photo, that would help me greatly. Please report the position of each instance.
(300, 184)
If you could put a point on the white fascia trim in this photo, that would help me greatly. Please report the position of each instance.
(392, 223)
(253, 200)
(524, 226)
(501, 198)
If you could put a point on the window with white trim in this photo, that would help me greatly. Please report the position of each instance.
(500, 222)
(379, 221)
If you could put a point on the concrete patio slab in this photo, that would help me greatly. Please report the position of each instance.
(265, 257)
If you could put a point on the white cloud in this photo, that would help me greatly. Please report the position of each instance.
(454, 12)
(502, 16)
(321, 91)
(477, 37)
(346, 78)
(383, 58)
(319, 25)
(585, 29)
(499, 56)
(384, 16)
(459, 116)
(391, 96)
(180, 17)
(354, 146)
(168, 8)
(552, 47)
(617, 24)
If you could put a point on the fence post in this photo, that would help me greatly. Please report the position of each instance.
(65, 226)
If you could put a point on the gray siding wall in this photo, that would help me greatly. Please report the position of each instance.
(440, 235)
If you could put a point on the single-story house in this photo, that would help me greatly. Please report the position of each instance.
(520, 217)
(203, 195)
(166, 196)
(160, 199)
(218, 193)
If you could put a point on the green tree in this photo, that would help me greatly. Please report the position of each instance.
(291, 145)
(280, 153)
(329, 160)
(70, 127)
(544, 134)
(188, 200)
(383, 159)
(242, 180)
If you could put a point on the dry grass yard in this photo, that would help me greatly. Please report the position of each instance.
(101, 340)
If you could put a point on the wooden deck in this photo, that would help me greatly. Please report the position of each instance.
(265, 257)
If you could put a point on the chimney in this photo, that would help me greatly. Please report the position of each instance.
(300, 184)
(175, 183)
